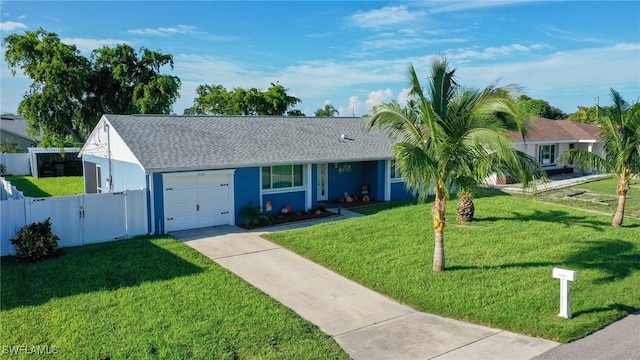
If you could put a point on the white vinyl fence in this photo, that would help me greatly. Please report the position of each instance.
(16, 164)
(76, 220)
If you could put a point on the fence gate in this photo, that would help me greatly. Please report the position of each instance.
(77, 220)
(104, 217)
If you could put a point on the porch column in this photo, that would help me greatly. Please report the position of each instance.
(387, 180)
(310, 184)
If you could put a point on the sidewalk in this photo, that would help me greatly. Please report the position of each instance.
(364, 323)
(553, 184)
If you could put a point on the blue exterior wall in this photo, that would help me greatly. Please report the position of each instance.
(278, 201)
(158, 203)
(362, 173)
(246, 182)
(376, 176)
(247, 188)
(399, 191)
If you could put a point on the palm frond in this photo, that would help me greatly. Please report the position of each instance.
(585, 160)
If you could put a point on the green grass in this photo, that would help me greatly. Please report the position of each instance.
(498, 267)
(48, 186)
(598, 196)
(148, 298)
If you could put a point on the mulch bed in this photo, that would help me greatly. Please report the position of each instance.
(289, 218)
(357, 203)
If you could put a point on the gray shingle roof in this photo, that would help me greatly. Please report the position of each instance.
(164, 142)
(15, 125)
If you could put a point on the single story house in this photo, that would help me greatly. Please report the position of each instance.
(202, 171)
(13, 131)
(549, 138)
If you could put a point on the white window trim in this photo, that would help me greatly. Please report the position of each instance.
(285, 189)
(98, 174)
(554, 154)
(396, 179)
(303, 187)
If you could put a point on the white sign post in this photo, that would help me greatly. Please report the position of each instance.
(565, 288)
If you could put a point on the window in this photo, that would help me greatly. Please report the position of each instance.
(395, 172)
(98, 179)
(282, 177)
(547, 154)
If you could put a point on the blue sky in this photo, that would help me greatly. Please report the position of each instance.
(355, 54)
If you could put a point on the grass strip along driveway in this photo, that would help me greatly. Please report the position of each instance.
(499, 267)
(147, 298)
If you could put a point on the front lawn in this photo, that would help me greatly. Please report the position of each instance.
(48, 186)
(499, 267)
(147, 298)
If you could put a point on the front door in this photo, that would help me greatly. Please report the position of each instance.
(323, 180)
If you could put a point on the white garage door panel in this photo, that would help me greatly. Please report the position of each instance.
(194, 200)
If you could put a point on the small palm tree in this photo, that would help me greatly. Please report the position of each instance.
(620, 139)
(465, 210)
(450, 137)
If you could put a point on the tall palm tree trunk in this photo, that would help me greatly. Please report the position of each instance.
(438, 211)
(623, 187)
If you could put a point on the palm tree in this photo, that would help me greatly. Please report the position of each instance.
(327, 111)
(451, 137)
(620, 139)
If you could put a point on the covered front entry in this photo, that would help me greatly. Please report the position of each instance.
(198, 199)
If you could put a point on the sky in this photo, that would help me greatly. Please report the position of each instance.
(355, 54)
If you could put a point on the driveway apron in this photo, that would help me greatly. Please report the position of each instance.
(366, 324)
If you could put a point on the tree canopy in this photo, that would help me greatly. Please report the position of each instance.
(589, 114)
(217, 100)
(541, 108)
(70, 92)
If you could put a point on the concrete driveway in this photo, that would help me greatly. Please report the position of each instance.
(367, 325)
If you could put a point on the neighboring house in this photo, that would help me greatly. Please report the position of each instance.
(13, 130)
(550, 138)
(203, 170)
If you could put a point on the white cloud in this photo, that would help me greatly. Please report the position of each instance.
(559, 77)
(389, 15)
(404, 96)
(407, 42)
(165, 31)
(562, 78)
(378, 97)
(11, 26)
(354, 108)
(464, 55)
(444, 6)
(572, 36)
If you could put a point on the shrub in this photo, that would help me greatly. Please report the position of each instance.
(252, 215)
(35, 241)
